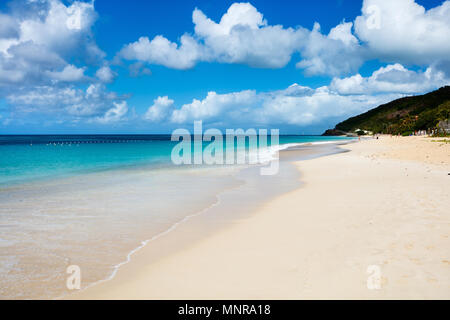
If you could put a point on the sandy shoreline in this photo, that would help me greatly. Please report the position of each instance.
(384, 204)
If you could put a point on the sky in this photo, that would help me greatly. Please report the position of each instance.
(112, 66)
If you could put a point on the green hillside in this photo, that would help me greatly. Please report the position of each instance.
(404, 115)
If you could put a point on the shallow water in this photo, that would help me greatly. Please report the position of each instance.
(95, 218)
(28, 158)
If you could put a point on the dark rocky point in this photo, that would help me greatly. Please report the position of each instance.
(334, 132)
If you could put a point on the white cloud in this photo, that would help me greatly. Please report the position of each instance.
(390, 79)
(162, 51)
(65, 102)
(28, 63)
(105, 74)
(296, 105)
(70, 73)
(159, 110)
(37, 39)
(343, 32)
(31, 53)
(337, 53)
(392, 31)
(301, 105)
(10, 76)
(241, 36)
(238, 14)
(215, 106)
(400, 31)
(44, 99)
(37, 42)
(403, 31)
(114, 114)
(37, 49)
(138, 69)
(9, 27)
(64, 28)
(320, 106)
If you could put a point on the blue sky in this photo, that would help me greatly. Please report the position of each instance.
(113, 66)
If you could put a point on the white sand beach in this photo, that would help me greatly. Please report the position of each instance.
(385, 204)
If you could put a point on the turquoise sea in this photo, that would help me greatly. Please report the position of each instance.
(24, 158)
(93, 200)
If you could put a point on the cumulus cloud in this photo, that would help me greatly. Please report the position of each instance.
(9, 27)
(244, 36)
(392, 31)
(403, 31)
(161, 51)
(392, 78)
(159, 110)
(313, 108)
(37, 41)
(114, 114)
(105, 74)
(139, 69)
(241, 36)
(43, 46)
(63, 29)
(27, 63)
(70, 73)
(215, 106)
(296, 105)
(337, 53)
(301, 105)
(65, 102)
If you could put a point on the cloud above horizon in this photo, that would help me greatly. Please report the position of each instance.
(391, 31)
(403, 31)
(295, 105)
(50, 64)
(241, 36)
(36, 48)
(393, 78)
(38, 41)
(299, 105)
(68, 103)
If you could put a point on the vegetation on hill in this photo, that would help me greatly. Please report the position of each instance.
(403, 116)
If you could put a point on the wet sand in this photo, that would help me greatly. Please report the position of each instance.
(372, 223)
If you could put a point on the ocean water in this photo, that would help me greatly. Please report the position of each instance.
(26, 158)
(92, 200)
